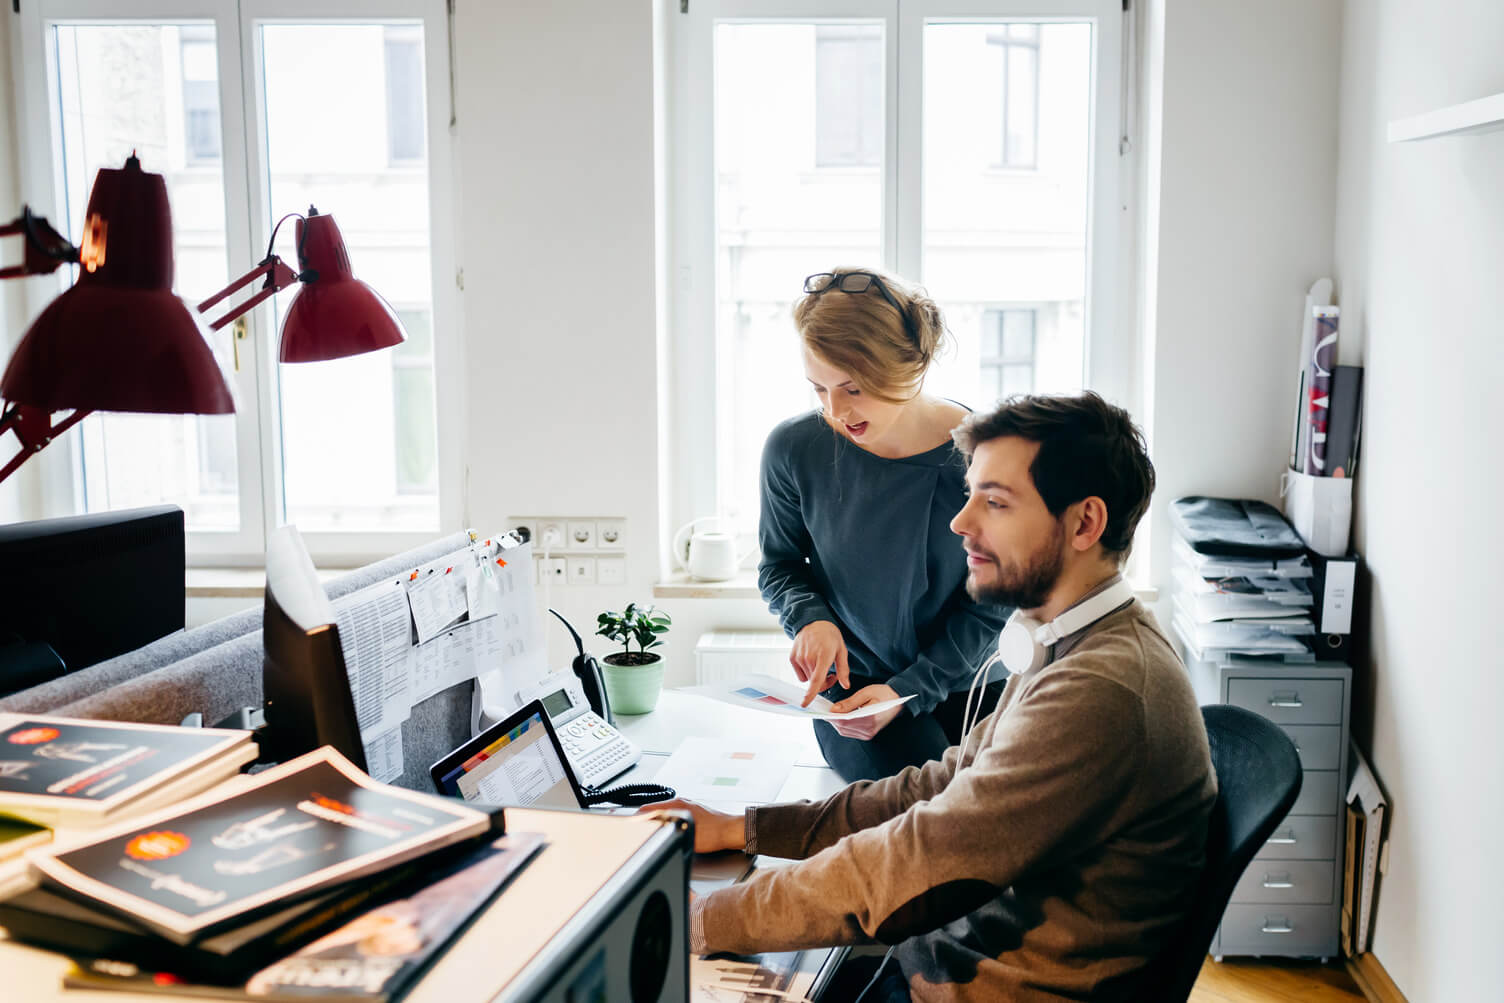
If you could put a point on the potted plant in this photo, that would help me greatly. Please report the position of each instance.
(633, 678)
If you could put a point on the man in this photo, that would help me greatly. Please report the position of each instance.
(1053, 853)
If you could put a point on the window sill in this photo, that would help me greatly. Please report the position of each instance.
(237, 583)
(744, 586)
(681, 586)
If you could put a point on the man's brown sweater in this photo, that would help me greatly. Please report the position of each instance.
(1048, 857)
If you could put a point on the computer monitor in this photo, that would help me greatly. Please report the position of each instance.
(305, 685)
(88, 587)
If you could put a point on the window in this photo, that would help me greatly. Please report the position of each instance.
(918, 104)
(345, 449)
(848, 95)
(403, 49)
(1007, 359)
(1017, 48)
(200, 94)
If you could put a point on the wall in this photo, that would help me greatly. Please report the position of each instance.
(1420, 246)
(557, 134)
(1243, 98)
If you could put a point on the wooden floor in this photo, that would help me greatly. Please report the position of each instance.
(1248, 980)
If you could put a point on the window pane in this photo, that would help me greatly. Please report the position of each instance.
(848, 96)
(350, 461)
(1023, 78)
(404, 94)
(153, 89)
(995, 238)
(778, 219)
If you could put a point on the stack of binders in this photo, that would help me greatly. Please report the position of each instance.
(1241, 582)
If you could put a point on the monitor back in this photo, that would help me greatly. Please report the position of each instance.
(306, 689)
(92, 586)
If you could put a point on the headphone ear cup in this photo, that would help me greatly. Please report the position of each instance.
(1016, 646)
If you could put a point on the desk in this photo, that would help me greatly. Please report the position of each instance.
(503, 939)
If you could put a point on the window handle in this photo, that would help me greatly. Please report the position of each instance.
(237, 334)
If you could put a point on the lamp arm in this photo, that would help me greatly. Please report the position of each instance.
(45, 248)
(35, 429)
(278, 277)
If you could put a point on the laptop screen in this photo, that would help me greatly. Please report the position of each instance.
(515, 762)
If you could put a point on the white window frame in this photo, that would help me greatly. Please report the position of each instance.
(693, 413)
(247, 228)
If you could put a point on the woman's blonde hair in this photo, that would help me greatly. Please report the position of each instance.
(886, 347)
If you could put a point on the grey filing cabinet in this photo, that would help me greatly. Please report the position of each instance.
(1289, 901)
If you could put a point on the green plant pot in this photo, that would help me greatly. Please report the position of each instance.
(632, 689)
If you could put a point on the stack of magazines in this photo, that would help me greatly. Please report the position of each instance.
(1240, 584)
(310, 874)
(69, 775)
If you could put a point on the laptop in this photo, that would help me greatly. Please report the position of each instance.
(516, 762)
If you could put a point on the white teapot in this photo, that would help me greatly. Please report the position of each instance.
(709, 554)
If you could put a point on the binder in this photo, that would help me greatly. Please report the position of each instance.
(1333, 586)
(1364, 794)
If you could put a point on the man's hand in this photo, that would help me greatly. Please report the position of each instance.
(865, 727)
(714, 830)
(817, 648)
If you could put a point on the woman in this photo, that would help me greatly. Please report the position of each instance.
(858, 560)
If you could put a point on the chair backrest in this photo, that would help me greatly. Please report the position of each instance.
(1258, 779)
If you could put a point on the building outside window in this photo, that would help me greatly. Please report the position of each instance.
(1017, 48)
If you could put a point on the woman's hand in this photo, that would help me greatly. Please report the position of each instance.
(819, 657)
(714, 830)
(865, 727)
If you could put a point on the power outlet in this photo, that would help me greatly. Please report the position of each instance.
(580, 536)
(550, 537)
(610, 534)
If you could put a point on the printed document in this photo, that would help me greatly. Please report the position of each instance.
(780, 696)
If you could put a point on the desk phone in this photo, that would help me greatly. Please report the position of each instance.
(597, 751)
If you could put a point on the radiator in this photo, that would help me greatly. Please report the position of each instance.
(722, 655)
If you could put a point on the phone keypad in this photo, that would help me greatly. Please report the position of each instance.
(588, 741)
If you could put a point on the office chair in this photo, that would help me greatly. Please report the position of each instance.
(1258, 778)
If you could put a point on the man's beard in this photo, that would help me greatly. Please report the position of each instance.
(1029, 587)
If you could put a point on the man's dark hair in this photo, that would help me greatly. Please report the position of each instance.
(1086, 447)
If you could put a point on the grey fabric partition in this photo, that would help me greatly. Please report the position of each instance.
(216, 669)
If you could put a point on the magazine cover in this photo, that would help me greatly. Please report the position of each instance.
(375, 957)
(53, 765)
(312, 822)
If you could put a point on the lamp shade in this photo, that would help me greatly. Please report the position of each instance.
(119, 340)
(334, 314)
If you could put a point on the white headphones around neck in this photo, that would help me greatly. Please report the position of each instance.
(1024, 644)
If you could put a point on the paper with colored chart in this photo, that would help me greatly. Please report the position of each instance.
(722, 770)
(780, 696)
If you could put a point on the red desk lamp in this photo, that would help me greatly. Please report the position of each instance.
(118, 340)
(334, 314)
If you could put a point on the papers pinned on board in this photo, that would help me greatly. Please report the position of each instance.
(469, 615)
(778, 696)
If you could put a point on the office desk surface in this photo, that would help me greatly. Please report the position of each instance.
(504, 938)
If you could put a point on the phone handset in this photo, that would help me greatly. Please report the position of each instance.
(628, 795)
(588, 671)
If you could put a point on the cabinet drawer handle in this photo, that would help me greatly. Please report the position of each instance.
(1268, 928)
(1272, 883)
(1284, 700)
(1289, 840)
